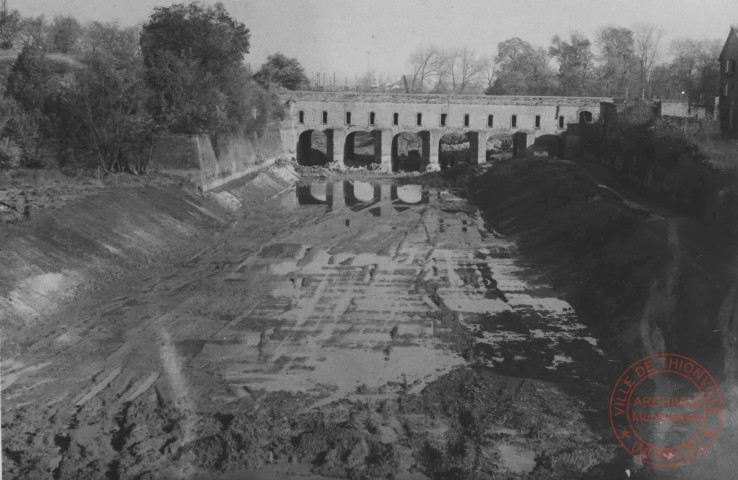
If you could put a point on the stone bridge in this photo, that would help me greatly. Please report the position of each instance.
(384, 118)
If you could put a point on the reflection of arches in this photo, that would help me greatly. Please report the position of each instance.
(361, 148)
(357, 193)
(316, 193)
(312, 148)
(452, 149)
(406, 149)
(551, 144)
(411, 194)
(363, 191)
(585, 116)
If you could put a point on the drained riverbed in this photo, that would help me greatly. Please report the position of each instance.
(323, 298)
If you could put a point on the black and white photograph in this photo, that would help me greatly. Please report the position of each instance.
(368, 239)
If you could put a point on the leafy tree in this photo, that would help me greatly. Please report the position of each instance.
(521, 69)
(19, 136)
(575, 63)
(10, 26)
(38, 86)
(110, 38)
(282, 70)
(110, 104)
(33, 32)
(64, 34)
(208, 36)
(193, 62)
(29, 82)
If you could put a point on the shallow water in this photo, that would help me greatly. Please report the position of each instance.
(357, 299)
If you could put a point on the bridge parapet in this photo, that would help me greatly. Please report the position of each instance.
(427, 98)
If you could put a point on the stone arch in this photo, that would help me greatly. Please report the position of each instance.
(552, 144)
(313, 148)
(585, 116)
(360, 148)
(453, 148)
(500, 142)
(407, 150)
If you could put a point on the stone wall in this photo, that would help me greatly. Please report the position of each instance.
(212, 161)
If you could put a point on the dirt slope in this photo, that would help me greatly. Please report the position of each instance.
(645, 279)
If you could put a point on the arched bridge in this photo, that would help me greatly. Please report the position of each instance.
(383, 125)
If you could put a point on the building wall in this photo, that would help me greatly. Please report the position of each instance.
(431, 107)
(675, 108)
(728, 85)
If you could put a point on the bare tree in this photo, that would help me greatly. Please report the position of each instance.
(488, 72)
(647, 37)
(426, 62)
(462, 68)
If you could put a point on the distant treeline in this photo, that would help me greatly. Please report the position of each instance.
(620, 62)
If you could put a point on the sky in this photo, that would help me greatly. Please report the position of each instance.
(350, 37)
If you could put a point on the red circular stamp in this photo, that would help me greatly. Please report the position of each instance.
(666, 410)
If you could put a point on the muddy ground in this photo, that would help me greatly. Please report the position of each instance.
(325, 326)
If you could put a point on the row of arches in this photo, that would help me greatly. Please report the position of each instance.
(410, 151)
(359, 195)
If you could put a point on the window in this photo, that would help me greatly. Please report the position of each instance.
(443, 119)
(514, 121)
(396, 119)
(419, 119)
(372, 118)
(561, 121)
(348, 118)
(325, 117)
(466, 119)
(725, 90)
(490, 121)
(729, 65)
(301, 116)
(538, 121)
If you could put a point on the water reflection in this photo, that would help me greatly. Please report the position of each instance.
(316, 193)
(409, 194)
(358, 196)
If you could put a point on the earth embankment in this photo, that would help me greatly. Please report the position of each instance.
(619, 256)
